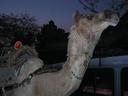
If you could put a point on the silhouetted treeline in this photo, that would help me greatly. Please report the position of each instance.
(17, 27)
(52, 43)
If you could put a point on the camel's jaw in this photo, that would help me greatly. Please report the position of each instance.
(114, 21)
(114, 24)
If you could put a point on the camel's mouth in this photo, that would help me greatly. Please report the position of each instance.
(115, 21)
(114, 24)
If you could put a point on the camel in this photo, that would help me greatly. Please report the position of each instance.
(84, 35)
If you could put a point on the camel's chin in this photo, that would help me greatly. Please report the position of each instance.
(114, 24)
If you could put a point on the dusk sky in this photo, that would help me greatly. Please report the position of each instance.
(60, 11)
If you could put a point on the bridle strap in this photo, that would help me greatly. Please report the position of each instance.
(25, 81)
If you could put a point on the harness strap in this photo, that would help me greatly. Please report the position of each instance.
(3, 91)
(25, 81)
(77, 77)
(85, 65)
(15, 85)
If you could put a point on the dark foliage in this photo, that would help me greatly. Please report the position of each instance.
(17, 27)
(119, 6)
(114, 40)
(52, 43)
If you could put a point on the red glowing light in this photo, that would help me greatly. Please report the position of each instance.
(18, 45)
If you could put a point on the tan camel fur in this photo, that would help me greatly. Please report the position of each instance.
(83, 38)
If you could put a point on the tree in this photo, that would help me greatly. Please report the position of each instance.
(119, 6)
(52, 43)
(17, 27)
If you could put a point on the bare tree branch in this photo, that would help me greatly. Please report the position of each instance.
(87, 7)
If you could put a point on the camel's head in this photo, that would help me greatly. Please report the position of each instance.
(88, 24)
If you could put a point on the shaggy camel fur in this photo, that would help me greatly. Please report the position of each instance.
(83, 38)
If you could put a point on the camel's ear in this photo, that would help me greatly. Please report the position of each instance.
(77, 16)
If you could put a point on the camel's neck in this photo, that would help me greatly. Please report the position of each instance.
(80, 51)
